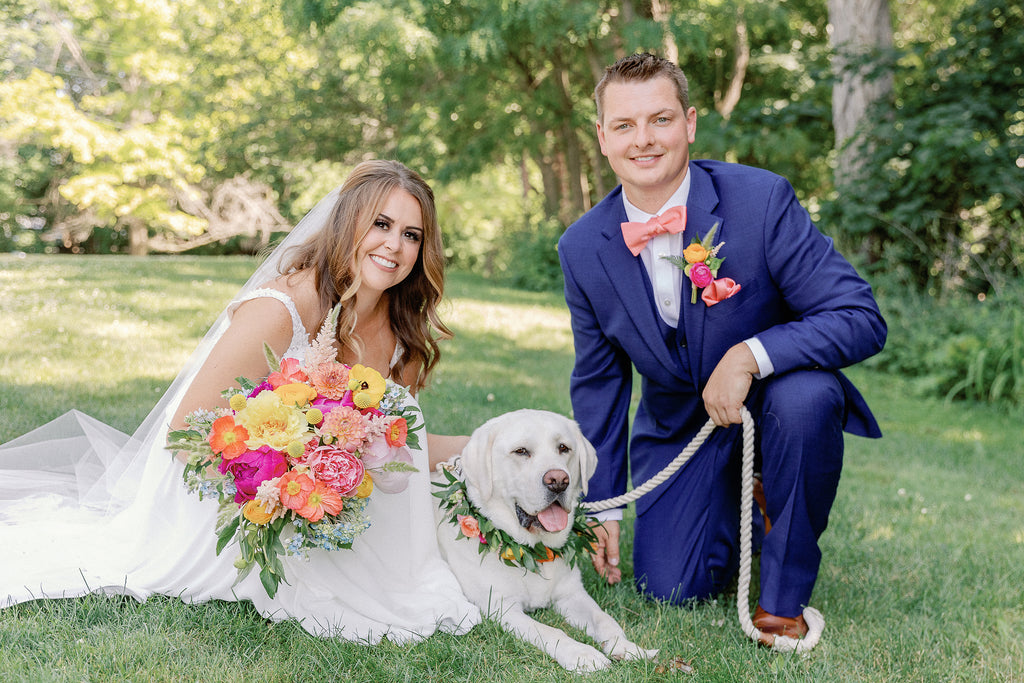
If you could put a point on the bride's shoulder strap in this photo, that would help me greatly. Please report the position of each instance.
(299, 334)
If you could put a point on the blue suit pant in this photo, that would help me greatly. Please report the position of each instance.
(686, 543)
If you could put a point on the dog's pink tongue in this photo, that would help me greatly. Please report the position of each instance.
(553, 517)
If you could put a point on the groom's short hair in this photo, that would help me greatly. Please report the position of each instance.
(640, 67)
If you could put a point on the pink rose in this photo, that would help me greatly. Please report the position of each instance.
(719, 290)
(701, 275)
(252, 468)
(337, 468)
(377, 454)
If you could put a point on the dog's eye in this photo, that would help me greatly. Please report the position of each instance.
(562, 448)
(522, 451)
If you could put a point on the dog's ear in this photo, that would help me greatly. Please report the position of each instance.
(477, 456)
(586, 458)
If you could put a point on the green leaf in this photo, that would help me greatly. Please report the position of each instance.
(225, 535)
(269, 580)
(273, 362)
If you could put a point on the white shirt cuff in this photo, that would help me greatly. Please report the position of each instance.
(607, 515)
(764, 363)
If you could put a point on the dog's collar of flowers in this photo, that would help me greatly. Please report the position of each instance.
(453, 498)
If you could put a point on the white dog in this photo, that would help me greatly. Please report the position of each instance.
(524, 472)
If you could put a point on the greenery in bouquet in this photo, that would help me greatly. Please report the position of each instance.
(295, 458)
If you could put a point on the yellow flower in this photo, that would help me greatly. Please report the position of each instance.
(365, 487)
(367, 386)
(255, 513)
(510, 554)
(270, 422)
(296, 393)
(695, 253)
(314, 416)
(237, 402)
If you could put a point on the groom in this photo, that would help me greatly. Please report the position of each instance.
(784, 313)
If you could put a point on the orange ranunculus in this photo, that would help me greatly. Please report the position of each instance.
(397, 432)
(469, 526)
(256, 513)
(228, 438)
(551, 555)
(290, 372)
(322, 500)
(296, 394)
(295, 488)
(695, 253)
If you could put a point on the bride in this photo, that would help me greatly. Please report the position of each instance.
(85, 508)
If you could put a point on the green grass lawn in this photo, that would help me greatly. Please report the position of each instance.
(923, 570)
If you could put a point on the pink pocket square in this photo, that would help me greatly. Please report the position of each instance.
(719, 290)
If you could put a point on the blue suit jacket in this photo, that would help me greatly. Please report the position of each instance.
(799, 296)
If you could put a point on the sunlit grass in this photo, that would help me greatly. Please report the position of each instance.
(923, 571)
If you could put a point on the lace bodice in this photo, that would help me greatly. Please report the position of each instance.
(300, 336)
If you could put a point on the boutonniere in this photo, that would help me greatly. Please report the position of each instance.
(700, 262)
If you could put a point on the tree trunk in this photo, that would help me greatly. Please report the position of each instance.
(661, 12)
(138, 238)
(859, 27)
(575, 201)
(728, 101)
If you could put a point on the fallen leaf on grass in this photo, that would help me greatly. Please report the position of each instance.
(676, 664)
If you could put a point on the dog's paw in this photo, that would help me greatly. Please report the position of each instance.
(623, 649)
(580, 657)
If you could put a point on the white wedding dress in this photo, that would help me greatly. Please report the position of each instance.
(85, 508)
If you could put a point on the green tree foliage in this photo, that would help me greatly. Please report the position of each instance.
(117, 158)
(939, 202)
(467, 89)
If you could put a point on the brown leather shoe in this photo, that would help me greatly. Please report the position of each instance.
(771, 626)
(761, 503)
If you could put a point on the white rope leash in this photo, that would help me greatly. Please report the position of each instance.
(658, 479)
(815, 621)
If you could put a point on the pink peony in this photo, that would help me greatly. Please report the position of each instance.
(701, 275)
(377, 454)
(337, 468)
(252, 468)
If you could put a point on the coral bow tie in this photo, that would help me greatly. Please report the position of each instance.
(637, 235)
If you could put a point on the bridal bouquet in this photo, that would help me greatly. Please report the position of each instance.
(296, 457)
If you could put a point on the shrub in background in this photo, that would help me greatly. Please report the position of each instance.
(960, 349)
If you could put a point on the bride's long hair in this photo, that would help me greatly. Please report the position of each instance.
(331, 254)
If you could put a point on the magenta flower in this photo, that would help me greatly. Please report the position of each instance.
(701, 275)
(252, 468)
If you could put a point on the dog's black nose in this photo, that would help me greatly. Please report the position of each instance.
(556, 481)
